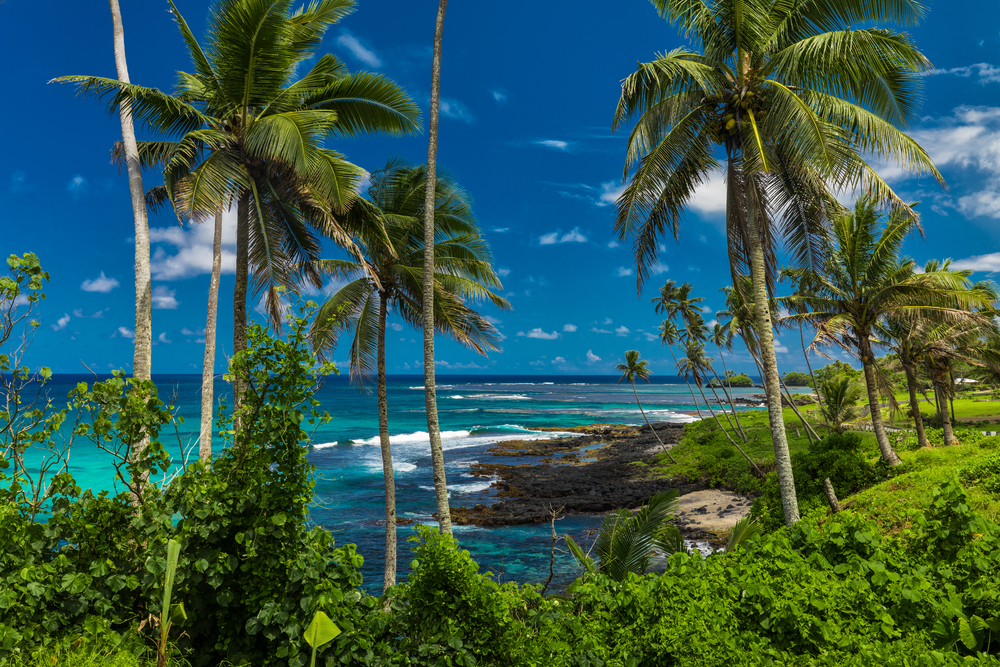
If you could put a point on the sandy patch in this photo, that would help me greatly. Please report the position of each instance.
(713, 510)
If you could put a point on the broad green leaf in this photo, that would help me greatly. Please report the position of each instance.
(321, 630)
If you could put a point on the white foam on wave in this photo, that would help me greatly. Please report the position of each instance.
(471, 487)
(509, 397)
(324, 445)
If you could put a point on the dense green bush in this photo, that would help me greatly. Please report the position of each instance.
(797, 379)
(251, 573)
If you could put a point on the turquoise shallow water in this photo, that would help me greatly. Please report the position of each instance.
(475, 411)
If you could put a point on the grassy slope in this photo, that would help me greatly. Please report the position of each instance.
(705, 454)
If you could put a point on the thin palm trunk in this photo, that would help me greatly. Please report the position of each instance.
(735, 444)
(918, 421)
(940, 377)
(951, 394)
(142, 356)
(655, 434)
(722, 406)
(240, 295)
(812, 376)
(888, 454)
(208, 364)
(389, 578)
(430, 393)
(693, 399)
(729, 395)
(810, 433)
(782, 457)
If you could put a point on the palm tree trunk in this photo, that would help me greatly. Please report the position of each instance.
(812, 376)
(722, 406)
(389, 578)
(729, 395)
(918, 421)
(430, 393)
(655, 434)
(142, 356)
(693, 399)
(810, 433)
(208, 365)
(772, 389)
(951, 393)
(240, 295)
(865, 352)
(735, 444)
(940, 377)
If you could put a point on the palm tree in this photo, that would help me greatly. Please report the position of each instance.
(839, 403)
(393, 248)
(864, 281)
(430, 389)
(794, 95)
(243, 127)
(800, 279)
(634, 368)
(669, 336)
(908, 339)
(697, 331)
(722, 337)
(208, 363)
(142, 355)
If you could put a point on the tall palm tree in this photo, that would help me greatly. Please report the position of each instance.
(670, 335)
(142, 355)
(794, 93)
(635, 368)
(722, 337)
(863, 281)
(245, 127)
(430, 389)
(393, 217)
(208, 363)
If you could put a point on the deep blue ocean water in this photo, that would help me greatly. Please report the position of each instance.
(474, 411)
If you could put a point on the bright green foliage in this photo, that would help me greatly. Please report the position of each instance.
(839, 403)
(796, 379)
(321, 631)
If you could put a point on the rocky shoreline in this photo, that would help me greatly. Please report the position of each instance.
(594, 473)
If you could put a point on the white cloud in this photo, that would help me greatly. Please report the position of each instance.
(359, 50)
(503, 272)
(613, 244)
(553, 143)
(610, 192)
(495, 321)
(79, 313)
(622, 331)
(650, 336)
(163, 298)
(395, 326)
(986, 263)
(124, 332)
(501, 230)
(540, 334)
(163, 338)
(99, 284)
(984, 72)
(623, 271)
(452, 108)
(188, 332)
(499, 95)
(61, 323)
(572, 236)
(559, 360)
(191, 252)
(570, 328)
(658, 269)
(591, 357)
(780, 348)
(607, 320)
(596, 330)
(77, 185)
(456, 366)
(709, 198)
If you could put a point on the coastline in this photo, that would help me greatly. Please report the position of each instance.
(597, 471)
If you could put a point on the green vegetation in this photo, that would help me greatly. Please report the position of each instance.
(796, 379)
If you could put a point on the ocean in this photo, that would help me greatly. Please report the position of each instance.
(474, 411)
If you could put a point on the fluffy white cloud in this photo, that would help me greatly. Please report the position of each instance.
(452, 108)
(456, 366)
(622, 331)
(79, 313)
(99, 284)
(188, 332)
(183, 252)
(559, 360)
(613, 244)
(124, 332)
(495, 321)
(658, 269)
(591, 357)
(163, 298)
(540, 334)
(623, 271)
(570, 328)
(553, 143)
(709, 198)
(983, 72)
(61, 323)
(607, 320)
(395, 326)
(650, 336)
(359, 50)
(572, 236)
(986, 263)
(163, 338)
(596, 330)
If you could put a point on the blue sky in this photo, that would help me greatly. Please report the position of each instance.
(528, 94)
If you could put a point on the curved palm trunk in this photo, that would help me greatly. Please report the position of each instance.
(729, 395)
(693, 399)
(865, 350)
(430, 393)
(722, 407)
(142, 356)
(940, 378)
(810, 433)
(812, 376)
(389, 578)
(655, 434)
(772, 388)
(918, 421)
(240, 295)
(208, 364)
(735, 444)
